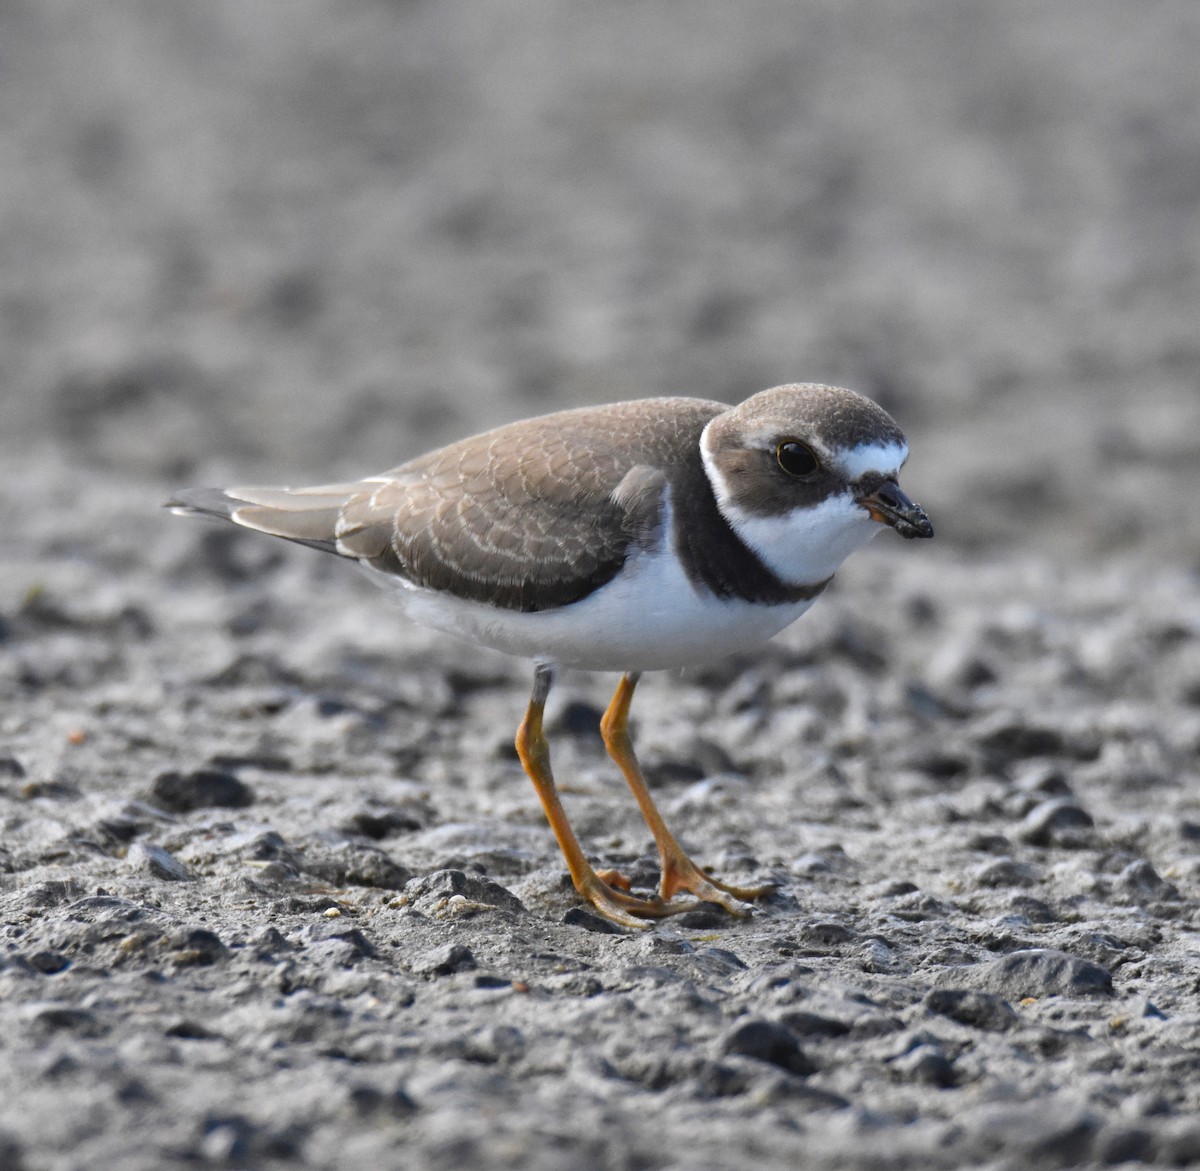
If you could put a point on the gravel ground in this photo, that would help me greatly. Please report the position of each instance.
(274, 889)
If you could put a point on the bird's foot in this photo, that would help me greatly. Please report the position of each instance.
(680, 873)
(612, 902)
(615, 879)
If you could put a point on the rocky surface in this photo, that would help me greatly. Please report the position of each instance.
(273, 889)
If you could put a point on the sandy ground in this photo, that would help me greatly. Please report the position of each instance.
(274, 891)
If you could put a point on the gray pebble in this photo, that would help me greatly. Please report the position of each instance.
(1037, 972)
(980, 1010)
(445, 960)
(427, 891)
(770, 1042)
(927, 1065)
(1059, 822)
(156, 862)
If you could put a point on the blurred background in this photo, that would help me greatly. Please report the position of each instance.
(298, 240)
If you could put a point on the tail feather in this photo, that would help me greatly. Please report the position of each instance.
(308, 516)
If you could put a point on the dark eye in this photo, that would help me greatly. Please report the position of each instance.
(795, 458)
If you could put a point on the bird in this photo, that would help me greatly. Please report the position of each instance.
(634, 536)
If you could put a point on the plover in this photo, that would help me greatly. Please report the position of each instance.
(631, 537)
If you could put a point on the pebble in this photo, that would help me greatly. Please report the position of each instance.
(202, 789)
(356, 864)
(1036, 972)
(445, 961)
(769, 1042)
(156, 862)
(1059, 822)
(1010, 738)
(425, 892)
(927, 1065)
(980, 1010)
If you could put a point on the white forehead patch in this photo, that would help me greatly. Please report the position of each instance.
(885, 458)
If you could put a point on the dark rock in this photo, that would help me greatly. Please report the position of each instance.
(12, 1157)
(811, 1024)
(11, 768)
(589, 921)
(1035, 910)
(1126, 1144)
(78, 1022)
(49, 962)
(980, 1010)
(445, 960)
(202, 789)
(368, 1101)
(927, 1065)
(1005, 872)
(1012, 739)
(576, 718)
(1037, 972)
(268, 762)
(767, 1041)
(383, 824)
(195, 947)
(1059, 822)
(189, 1030)
(1043, 780)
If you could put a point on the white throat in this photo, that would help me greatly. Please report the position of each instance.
(807, 545)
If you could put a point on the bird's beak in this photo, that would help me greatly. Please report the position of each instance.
(890, 506)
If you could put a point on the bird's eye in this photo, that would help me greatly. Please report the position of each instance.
(796, 458)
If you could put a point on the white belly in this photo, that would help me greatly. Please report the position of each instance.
(648, 618)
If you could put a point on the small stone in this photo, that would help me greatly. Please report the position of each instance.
(371, 1100)
(196, 946)
(202, 789)
(927, 1065)
(589, 921)
(78, 1022)
(767, 1041)
(11, 768)
(811, 1024)
(445, 960)
(824, 936)
(156, 862)
(357, 864)
(1038, 972)
(576, 718)
(1005, 872)
(186, 1029)
(1043, 780)
(1139, 881)
(1059, 822)
(1127, 1144)
(980, 1010)
(495, 1043)
(49, 963)
(427, 890)
(11, 1156)
(1012, 739)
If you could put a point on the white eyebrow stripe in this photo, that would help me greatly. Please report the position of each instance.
(873, 457)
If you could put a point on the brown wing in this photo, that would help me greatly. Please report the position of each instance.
(527, 517)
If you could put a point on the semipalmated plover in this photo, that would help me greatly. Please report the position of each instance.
(630, 537)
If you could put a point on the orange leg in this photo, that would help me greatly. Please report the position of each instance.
(679, 872)
(534, 752)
